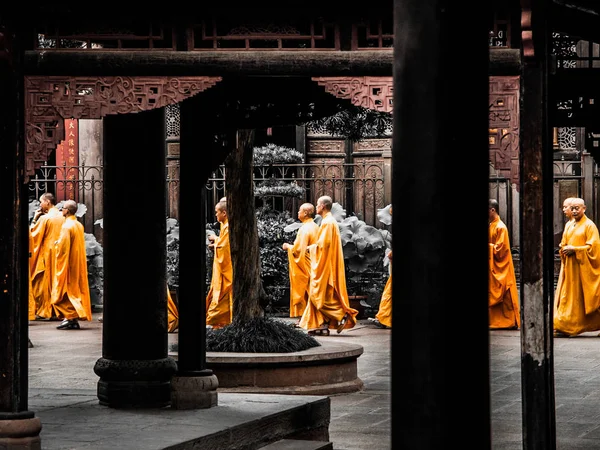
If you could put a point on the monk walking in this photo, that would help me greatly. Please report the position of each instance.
(328, 305)
(502, 289)
(219, 301)
(299, 259)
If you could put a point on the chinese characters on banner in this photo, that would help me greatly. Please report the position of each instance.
(67, 162)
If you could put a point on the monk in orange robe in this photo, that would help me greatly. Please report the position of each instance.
(328, 305)
(45, 229)
(299, 259)
(219, 301)
(502, 288)
(578, 300)
(71, 293)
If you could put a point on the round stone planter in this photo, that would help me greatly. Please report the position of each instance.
(325, 370)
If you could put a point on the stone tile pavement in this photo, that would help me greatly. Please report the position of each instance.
(62, 392)
(577, 391)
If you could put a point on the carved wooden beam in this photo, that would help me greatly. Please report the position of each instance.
(369, 92)
(208, 63)
(49, 100)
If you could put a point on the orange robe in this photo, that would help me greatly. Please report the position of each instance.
(299, 266)
(219, 301)
(172, 313)
(71, 292)
(502, 288)
(578, 300)
(32, 307)
(328, 299)
(384, 314)
(44, 234)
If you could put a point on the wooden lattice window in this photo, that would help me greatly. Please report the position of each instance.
(131, 37)
(372, 34)
(264, 34)
(499, 29)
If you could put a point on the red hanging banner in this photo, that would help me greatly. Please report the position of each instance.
(67, 162)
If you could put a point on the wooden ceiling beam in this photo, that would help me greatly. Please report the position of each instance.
(208, 63)
(231, 63)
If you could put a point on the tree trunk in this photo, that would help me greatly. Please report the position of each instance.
(243, 232)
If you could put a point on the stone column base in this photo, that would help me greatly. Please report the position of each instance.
(135, 383)
(189, 392)
(20, 434)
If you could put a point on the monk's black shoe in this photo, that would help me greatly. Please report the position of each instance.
(69, 324)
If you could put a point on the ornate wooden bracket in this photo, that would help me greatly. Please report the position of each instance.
(49, 100)
(526, 30)
(369, 92)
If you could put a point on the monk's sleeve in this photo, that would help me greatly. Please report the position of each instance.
(588, 257)
(499, 268)
(298, 250)
(63, 248)
(38, 233)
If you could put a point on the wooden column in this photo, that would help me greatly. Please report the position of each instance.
(537, 237)
(18, 426)
(135, 370)
(440, 238)
(194, 385)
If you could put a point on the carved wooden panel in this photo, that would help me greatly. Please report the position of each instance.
(49, 100)
(369, 92)
(319, 147)
(504, 126)
(372, 146)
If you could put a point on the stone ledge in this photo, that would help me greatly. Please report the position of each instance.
(328, 369)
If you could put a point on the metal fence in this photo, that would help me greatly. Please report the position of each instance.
(358, 187)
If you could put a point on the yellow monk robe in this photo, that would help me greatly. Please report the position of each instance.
(384, 314)
(328, 299)
(299, 266)
(503, 295)
(32, 307)
(172, 313)
(219, 301)
(579, 296)
(71, 292)
(44, 234)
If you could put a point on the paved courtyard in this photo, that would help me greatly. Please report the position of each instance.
(577, 391)
(61, 378)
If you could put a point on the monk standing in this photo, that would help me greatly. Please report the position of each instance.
(503, 296)
(71, 293)
(45, 229)
(578, 300)
(328, 305)
(299, 259)
(219, 301)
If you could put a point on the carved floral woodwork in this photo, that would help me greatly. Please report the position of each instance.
(49, 100)
(369, 92)
(504, 126)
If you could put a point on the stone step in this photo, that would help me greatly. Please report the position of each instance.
(297, 444)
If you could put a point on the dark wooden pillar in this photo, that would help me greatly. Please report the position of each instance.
(18, 426)
(537, 236)
(135, 370)
(440, 226)
(194, 385)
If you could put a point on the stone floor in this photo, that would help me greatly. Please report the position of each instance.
(63, 386)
